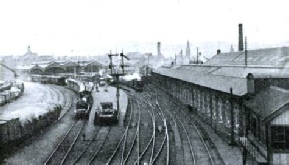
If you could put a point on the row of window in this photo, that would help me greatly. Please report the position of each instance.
(280, 137)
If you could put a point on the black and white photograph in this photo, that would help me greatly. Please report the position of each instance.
(144, 82)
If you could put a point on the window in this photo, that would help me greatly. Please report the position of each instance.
(280, 137)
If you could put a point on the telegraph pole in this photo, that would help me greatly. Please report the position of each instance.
(197, 55)
(246, 53)
(116, 74)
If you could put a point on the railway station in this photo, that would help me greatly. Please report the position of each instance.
(231, 109)
(244, 99)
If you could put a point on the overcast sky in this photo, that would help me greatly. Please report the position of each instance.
(92, 27)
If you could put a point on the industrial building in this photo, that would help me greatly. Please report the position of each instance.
(243, 95)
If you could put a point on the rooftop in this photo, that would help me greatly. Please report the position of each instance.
(221, 78)
(269, 101)
(227, 70)
(271, 57)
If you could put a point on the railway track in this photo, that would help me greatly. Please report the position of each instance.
(66, 97)
(136, 143)
(161, 136)
(86, 150)
(201, 147)
(128, 146)
(147, 135)
(131, 149)
(91, 152)
(115, 156)
(59, 154)
(157, 149)
(157, 131)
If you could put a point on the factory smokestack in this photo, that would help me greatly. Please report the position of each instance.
(241, 47)
(159, 49)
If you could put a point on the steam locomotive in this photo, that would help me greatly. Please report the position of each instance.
(85, 101)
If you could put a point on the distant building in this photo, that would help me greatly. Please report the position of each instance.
(135, 55)
(30, 57)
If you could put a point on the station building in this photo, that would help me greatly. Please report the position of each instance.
(65, 67)
(247, 103)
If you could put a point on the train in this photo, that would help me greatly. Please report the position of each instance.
(83, 107)
(135, 84)
(85, 101)
(61, 79)
(82, 88)
(10, 91)
(105, 113)
(49, 79)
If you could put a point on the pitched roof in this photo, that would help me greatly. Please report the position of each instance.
(94, 63)
(278, 57)
(70, 64)
(269, 101)
(200, 75)
(221, 78)
(53, 65)
(258, 72)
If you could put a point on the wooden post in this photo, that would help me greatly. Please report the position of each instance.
(117, 94)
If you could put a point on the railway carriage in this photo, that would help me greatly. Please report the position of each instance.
(75, 85)
(49, 79)
(10, 91)
(135, 84)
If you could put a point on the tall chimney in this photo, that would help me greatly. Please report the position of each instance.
(159, 49)
(241, 47)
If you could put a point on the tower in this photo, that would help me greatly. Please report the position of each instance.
(181, 53)
(28, 50)
(159, 49)
(241, 47)
(188, 51)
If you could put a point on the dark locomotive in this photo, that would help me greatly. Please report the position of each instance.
(83, 105)
(105, 113)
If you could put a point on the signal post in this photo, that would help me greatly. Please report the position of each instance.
(115, 73)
